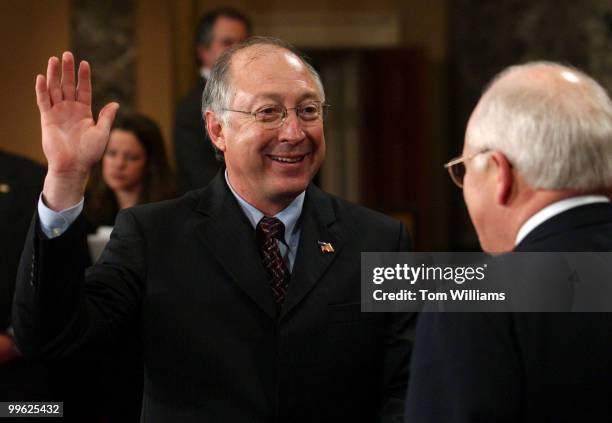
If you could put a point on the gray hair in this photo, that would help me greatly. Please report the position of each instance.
(553, 122)
(218, 93)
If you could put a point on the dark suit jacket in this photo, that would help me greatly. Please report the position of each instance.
(23, 181)
(195, 157)
(25, 379)
(522, 367)
(186, 276)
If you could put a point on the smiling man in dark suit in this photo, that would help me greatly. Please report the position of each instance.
(245, 293)
(536, 165)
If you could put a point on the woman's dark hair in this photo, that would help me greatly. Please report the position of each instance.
(158, 183)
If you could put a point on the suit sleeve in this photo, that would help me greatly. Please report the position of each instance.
(399, 341)
(61, 308)
(465, 369)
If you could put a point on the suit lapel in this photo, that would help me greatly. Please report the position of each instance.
(230, 238)
(311, 262)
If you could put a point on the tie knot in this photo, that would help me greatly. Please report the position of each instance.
(271, 227)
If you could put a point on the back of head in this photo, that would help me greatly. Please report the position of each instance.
(553, 123)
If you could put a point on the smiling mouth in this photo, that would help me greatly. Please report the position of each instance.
(281, 159)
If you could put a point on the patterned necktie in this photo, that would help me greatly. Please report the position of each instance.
(269, 230)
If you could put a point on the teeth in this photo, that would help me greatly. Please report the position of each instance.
(287, 159)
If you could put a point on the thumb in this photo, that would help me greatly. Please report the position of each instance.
(107, 116)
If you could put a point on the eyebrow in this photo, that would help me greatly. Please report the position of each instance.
(310, 95)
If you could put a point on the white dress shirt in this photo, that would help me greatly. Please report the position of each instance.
(289, 216)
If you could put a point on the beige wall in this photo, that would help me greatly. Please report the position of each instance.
(30, 31)
(423, 21)
(154, 38)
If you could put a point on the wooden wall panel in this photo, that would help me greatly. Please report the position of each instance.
(30, 33)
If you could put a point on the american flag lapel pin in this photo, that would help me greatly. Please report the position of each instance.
(325, 247)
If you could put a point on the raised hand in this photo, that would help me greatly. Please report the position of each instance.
(71, 139)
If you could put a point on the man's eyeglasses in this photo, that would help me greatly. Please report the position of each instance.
(456, 167)
(273, 116)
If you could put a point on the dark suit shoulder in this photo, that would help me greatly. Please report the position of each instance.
(583, 228)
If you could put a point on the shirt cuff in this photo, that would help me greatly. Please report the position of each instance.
(53, 223)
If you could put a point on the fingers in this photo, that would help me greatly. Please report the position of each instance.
(67, 84)
(42, 94)
(60, 79)
(83, 91)
(107, 115)
(53, 80)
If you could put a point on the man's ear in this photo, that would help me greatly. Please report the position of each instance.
(214, 126)
(505, 179)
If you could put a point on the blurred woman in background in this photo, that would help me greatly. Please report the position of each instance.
(134, 170)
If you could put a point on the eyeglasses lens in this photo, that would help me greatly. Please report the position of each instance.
(457, 173)
(309, 115)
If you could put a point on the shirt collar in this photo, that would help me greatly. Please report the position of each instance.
(554, 209)
(289, 215)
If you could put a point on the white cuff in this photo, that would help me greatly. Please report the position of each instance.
(53, 223)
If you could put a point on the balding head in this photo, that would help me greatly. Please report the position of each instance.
(554, 123)
(218, 91)
(541, 133)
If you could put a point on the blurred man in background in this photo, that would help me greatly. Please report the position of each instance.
(196, 163)
(535, 168)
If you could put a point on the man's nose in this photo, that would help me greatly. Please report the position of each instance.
(291, 129)
(119, 161)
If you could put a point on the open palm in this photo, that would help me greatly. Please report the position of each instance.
(71, 139)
